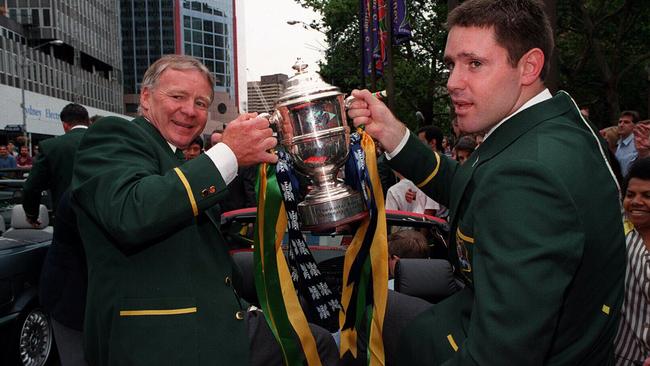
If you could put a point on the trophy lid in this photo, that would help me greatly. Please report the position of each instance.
(305, 86)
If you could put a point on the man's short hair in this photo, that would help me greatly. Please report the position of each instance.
(74, 114)
(430, 133)
(466, 143)
(408, 244)
(175, 62)
(519, 26)
(633, 114)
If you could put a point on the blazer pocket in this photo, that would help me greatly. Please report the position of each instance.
(155, 331)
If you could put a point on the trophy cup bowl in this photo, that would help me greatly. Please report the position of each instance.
(312, 127)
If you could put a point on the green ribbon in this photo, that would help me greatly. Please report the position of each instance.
(267, 279)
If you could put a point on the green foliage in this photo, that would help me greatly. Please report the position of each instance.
(603, 55)
(602, 49)
(419, 76)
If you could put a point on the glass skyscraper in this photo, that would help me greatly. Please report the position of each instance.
(203, 29)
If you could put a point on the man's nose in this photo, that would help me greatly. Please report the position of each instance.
(189, 108)
(455, 80)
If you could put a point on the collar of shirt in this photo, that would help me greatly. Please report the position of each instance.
(78, 126)
(174, 148)
(544, 95)
(626, 141)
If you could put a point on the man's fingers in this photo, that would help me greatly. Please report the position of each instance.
(360, 121)
(366, 96)
(216, 138)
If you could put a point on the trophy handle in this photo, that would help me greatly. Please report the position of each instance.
(350, 99)
(274, 122)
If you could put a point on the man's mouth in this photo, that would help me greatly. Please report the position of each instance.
(461, 106)
(185, 125)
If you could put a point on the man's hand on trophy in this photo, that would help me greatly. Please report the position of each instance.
(378, 120)
(250, 138)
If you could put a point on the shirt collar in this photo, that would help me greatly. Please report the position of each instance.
(171, 146)
(542, 96)
(626, 141)
(78, 126)
(174, 148)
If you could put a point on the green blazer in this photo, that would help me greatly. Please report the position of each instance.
(158, 269)
(52, 169)
(537, 236)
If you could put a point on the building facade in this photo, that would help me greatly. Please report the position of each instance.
(205, 29)
(58, 51)
(263, 94)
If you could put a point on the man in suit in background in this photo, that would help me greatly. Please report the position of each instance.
(538, 238)
(159, 273)
(52, 167)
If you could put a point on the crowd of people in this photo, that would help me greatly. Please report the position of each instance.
(553, 272)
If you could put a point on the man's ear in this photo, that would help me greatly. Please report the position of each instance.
(144, 98)
(531, 64)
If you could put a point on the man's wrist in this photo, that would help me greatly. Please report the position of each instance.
(404, 138)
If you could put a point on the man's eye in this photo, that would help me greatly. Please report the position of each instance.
(475, 64)
(201, 104)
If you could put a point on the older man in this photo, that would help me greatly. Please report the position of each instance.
(159, 288)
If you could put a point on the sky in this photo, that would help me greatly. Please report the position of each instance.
(272, 45)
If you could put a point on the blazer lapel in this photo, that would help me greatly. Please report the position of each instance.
(153, 131)
(501, 138)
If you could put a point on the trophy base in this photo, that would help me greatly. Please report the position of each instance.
(324, 215)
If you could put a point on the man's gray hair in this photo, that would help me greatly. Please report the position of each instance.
(175, 62)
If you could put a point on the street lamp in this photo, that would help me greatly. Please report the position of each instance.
(23, 65)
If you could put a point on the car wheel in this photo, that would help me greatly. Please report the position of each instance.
(35, 338)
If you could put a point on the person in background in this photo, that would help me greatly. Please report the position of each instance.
(610, 134)
(432, 137)
(464, 148)
(63, 285)
(6, 160)
(24, 160)
(626, 150)
(404, 244)
(52, 167)
(195, 149)
(11, 148)
(537, 239)
(405, 196)
(632, 341)
(642, 138)
(94, 118)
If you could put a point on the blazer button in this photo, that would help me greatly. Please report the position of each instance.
(239, 315)
(228, 281)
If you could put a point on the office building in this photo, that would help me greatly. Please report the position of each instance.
(263, 94)
(205, 29)
(63, 51)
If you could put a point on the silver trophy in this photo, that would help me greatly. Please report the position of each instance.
(312, 127)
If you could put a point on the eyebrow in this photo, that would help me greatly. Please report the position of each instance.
(463, 55)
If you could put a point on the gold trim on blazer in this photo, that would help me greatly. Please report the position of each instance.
(158, 312)
(433, 174)
(190, 195)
